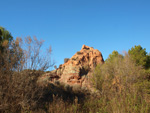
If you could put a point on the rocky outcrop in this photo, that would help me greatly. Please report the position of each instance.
(75, 71)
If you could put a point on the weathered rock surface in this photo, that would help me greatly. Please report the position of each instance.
(77, 69)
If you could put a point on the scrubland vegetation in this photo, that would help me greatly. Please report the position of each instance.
(123, 81)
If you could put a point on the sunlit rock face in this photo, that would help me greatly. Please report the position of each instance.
(79, 65)
(77, 69)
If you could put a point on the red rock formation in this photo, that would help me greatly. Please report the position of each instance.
(80, 64)
(86, 56)
(76, 69)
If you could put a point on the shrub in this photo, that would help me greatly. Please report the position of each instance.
(73, 58)
(5, 39)
(66, 60)
(79, 53)
(121, 82)
(33, 57)
(55, 66)
(140, 56)
(113, 55)
(18, 76)
(19, 90)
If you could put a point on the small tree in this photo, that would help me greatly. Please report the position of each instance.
(34, 58)
(10, 50)
(19, 73)
(114, 55)
(5, 37)
(139, 55)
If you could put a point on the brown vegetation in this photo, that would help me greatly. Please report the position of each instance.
(18, 75)
(119, 85)
(123, 86)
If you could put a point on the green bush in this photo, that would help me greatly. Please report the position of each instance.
(140, 56)
(122, 85)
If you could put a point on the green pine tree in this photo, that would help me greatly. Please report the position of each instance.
(4, 35)
(140, 56)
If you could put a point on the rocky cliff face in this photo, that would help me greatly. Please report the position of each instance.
(77, 69)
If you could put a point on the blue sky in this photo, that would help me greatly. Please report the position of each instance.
(66, 25)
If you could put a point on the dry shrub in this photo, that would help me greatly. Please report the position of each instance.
(79, 53)
(19, 91)
(60, 106)
(34, 57)
(66, 60)
(20, 67)
(122, 86)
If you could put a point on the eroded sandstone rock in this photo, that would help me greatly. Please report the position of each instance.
(75, 71)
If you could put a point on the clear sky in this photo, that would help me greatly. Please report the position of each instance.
(66, 25)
